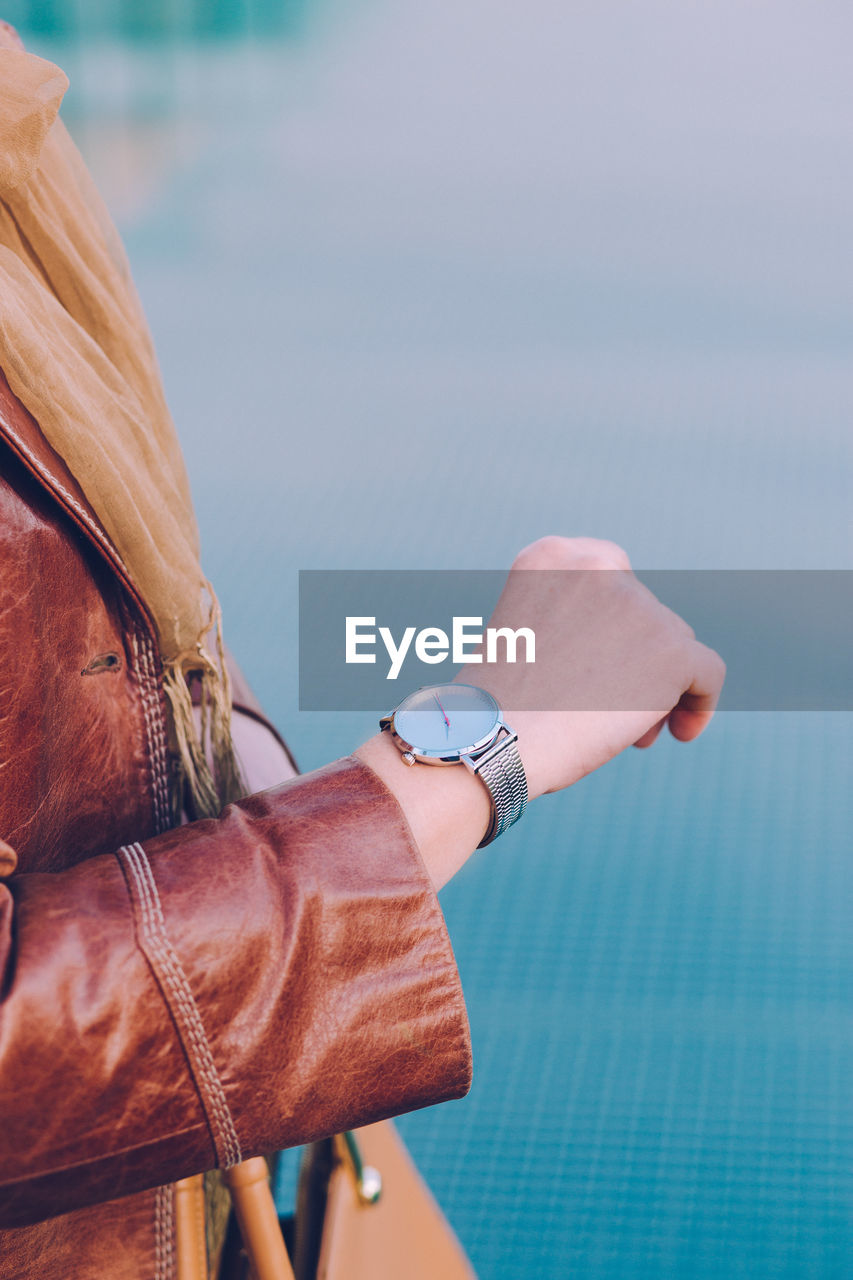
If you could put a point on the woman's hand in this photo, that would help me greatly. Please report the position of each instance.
(613, 666)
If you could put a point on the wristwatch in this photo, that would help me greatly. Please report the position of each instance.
(463, 724)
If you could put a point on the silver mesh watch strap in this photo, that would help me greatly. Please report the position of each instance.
(503, 774)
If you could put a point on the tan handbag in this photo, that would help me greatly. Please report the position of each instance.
(363, 1213)
(377, 1218)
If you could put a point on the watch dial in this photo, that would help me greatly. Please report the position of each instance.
(444, 718)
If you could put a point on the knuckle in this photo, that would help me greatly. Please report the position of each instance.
(716, 662)
(550, 552)
(616, 556)
(599, 553)
(557, 552)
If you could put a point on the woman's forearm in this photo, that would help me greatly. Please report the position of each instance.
(447, 808)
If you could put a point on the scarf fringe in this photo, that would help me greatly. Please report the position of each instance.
(208, 775)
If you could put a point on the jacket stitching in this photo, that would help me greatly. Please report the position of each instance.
(145, 671)
(158, 1234)
(168, 1228)
(150, 713)
(168, 966)
(160, 745)
(154, 927)
(163, 1249)
(155, 736)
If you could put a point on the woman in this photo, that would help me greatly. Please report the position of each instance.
(178, 997)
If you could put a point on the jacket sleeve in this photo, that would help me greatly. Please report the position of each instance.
(234, 986)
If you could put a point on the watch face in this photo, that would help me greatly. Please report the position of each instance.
(447, 719)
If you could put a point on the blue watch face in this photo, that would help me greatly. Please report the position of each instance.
(447, 718)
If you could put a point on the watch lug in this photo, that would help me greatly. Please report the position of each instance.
(495, 750)
(385, 723)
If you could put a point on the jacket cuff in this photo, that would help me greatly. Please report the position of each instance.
(308, 968)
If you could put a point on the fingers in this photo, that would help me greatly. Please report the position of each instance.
(696, 705)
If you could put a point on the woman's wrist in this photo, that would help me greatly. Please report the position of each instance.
(447, 808)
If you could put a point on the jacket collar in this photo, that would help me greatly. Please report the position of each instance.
(24, 437)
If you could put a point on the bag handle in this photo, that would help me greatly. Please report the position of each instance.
(251, 1195)
(249, 1184)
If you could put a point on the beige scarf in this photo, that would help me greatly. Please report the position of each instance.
(76, 350)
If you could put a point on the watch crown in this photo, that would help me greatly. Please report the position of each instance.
(408, 758)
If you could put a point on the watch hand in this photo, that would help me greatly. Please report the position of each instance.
(441, 709)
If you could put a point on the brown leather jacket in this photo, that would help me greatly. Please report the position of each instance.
(174, 1000)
